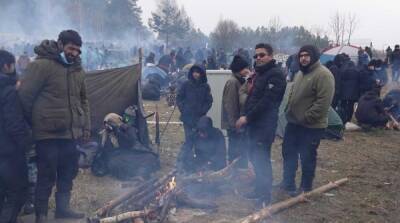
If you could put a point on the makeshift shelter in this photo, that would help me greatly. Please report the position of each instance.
(330, 53)
(112, 91)
(335, 124)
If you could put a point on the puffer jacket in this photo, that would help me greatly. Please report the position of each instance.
(53, 95)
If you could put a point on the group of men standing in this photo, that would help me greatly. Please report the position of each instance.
(51, 101)
(250, 109)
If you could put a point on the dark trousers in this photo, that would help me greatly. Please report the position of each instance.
(237, 148)
(57, 164)
(13, 186)
(260, 157)
(346, 110)
(395, 73)
(300, 142)
(185, 156)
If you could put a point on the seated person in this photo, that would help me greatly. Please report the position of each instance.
(122, 154)
(392, 103)
(370, 111)
(209, 147)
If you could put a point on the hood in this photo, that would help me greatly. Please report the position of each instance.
(48, 49)
(205, 124)
(370, 95)
(7, 80)
(201, 70)
(314, 54)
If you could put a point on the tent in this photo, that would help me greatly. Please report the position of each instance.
(329, 54)
(335, 124)
(112, 91)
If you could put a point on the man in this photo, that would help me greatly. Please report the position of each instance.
(261, 117)
(167, 62)
(209, 147)
(292, 66)
(350, 85)
(307, 115)
(14, 138)
(395, 61)
(194, 99)
(371, 111)
(231, 109)
(53, 96)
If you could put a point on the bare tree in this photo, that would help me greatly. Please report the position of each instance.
(338, 26)
(275, 24)
(225, 35)
(352, 23)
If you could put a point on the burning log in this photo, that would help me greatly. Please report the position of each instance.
(152, 184)
(270, 210)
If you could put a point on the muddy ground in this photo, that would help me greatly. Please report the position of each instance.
(371, 160)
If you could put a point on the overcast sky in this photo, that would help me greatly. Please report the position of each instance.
(377, 19)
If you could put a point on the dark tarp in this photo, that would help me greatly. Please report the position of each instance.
(112, 91)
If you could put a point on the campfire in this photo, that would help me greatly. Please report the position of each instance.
(152, 200)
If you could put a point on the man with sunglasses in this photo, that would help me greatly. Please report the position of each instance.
(261, 117)
(307, 115)
(53, 96)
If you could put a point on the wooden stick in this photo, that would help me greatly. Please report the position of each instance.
(150, 184)
(270, 210)
(125, 216)
(211, 177)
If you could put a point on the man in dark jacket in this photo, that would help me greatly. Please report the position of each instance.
(349, 89)
(370, 110)
(209, 147)
(14, 141)
(261, 117)
(231, 109)
(395, 61)
(53, 95)
(307, 115)
(194, 99)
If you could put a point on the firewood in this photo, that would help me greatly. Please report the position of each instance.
(125, 216)
(211, 177)
(270, 210)
(132, 192)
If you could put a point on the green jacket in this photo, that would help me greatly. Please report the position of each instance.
(231, 106)
(53, 96)
(311, 97)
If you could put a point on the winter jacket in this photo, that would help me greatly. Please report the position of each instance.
(14, 134)
(311, 97)
(367, 80)
(370, 110)
(231, 101)
(395, 59)
(350, 82)
(338, 78)
(210, 151)
(194, 98)
(53, 96)
(263, 101)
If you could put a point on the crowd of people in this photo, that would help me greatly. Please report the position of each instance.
(47, 111)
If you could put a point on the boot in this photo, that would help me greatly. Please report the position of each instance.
(41, 218)
(62, 207)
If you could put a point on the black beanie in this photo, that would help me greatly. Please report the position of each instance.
(313, 51)
(70, 36)
(238, 64)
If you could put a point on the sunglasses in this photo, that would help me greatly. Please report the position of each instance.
(260, 55)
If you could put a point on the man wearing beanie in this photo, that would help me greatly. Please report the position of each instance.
(261, 117)
(307, 115)
(232, 108)
(53, 96)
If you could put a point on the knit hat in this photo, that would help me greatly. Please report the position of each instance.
(238, 64)
(314, 54)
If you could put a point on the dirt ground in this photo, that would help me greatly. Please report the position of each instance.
(371, 160)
